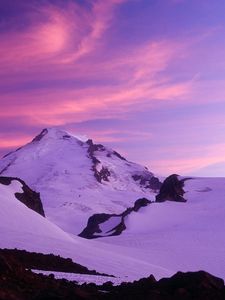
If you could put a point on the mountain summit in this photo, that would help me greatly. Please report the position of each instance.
(77, 179)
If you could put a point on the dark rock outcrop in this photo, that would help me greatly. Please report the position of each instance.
(93, 230)
(119, 156)
(40, 135)
(172, 189)
(104, 173)
(144, 179)
(192, 285)
(182, 286)
(29, 197)
(92, 227)
(142, 202)
(47, 262)
(18, 283)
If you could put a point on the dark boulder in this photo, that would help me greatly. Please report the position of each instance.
(172, 189)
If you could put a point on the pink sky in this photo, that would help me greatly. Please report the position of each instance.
(143, 77)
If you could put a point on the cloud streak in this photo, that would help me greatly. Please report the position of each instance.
(137, 86)
(57, 35)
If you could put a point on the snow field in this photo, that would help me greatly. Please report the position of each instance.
(83, 278)
(23, 228)
(180, 236)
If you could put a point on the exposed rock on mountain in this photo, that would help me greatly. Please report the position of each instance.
(172, 189)
(103, 173)
(101, 225)
(147, 181)
(28, 197)
(40, 135)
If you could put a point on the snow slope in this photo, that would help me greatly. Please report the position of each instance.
(22, 228)
(63, 169)
(180, 236)
(161, 239)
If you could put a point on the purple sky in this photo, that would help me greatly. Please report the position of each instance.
(145, 77)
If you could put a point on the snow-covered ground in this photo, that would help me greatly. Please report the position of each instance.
(23, 228)
(161, 238)
(180, 236)
(83, 278)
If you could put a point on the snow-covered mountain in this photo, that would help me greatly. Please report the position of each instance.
(161, 238)
(77, 179)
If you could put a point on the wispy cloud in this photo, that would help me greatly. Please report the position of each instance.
(137, 85)
(57, 35)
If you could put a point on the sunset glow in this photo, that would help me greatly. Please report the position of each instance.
(143, 77)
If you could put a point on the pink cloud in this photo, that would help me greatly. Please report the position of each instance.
(13, 142)
(138, 87)
(37, 43)
(55, 48)
(57, 35)
(191, 162)
(99, 21)
(59, 107)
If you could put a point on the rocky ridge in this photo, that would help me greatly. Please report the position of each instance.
(18, 283)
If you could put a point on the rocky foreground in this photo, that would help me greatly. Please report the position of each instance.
(19, 283)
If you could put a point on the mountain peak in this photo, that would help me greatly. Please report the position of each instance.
(52, 132)
(77, 178)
